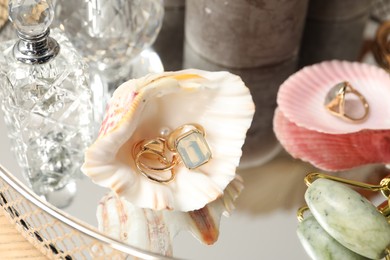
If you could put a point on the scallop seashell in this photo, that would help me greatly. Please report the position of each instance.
(332, 152)
(301, 97)
(142, 109)
(154, 230)
(309, 132)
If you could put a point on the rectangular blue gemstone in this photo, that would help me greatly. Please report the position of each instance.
(193, 150)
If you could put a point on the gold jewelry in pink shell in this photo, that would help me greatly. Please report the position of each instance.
(336, 102)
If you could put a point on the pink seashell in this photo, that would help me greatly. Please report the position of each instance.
(332, 151)
(309, 132)
(301, 97)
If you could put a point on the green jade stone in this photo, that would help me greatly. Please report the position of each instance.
(318, 244)
(349, 218)
(193, 150)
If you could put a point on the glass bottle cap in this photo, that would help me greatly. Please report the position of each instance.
(31, 17)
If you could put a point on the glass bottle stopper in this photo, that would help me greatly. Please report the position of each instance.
(32, 19)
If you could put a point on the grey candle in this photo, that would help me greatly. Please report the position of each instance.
(169, 43)
(244, 34)
(334, 30)
(336, 10)
(328, 40)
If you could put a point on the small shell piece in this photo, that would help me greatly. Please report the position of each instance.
(141, 109)
(142, 228)
(309, 132)
(154, 231)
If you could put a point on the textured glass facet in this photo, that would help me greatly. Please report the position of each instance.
(110, 33)
(49, 115)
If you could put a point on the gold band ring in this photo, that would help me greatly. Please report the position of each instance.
(336, 103)
(150, 159)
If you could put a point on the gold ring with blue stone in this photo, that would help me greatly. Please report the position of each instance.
(186, 142)
(190, 143)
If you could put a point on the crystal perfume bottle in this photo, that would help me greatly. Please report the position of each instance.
(46, 100)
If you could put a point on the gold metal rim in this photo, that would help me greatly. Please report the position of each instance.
(74, 223)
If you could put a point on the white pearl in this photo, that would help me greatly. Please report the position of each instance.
(165, 131)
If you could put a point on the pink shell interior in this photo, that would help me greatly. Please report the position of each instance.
(301, 97)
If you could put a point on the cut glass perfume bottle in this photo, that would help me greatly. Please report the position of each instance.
(46, 99)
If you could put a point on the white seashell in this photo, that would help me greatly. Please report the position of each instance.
(142, 108)
(153, 230)
(301, 97)
(142, 228)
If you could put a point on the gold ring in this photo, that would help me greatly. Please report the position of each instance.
(150, 160)
(186, 144)
(336, 103)
(190, 143)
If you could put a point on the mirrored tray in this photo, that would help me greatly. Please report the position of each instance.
(263, 222)
(263, 226)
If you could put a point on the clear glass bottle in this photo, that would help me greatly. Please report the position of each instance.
(46, 99)
(110, 34)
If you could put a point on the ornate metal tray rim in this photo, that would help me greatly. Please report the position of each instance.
(83, 228)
